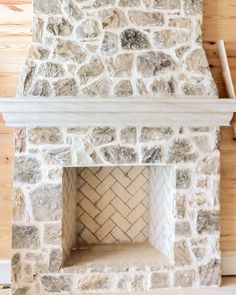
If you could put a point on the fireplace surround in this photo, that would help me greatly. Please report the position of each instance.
(117, 161)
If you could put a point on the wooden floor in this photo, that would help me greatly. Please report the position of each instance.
(15, 35)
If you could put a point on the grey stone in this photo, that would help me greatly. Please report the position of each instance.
(155, 133)
(210, 273)
(202, 142)
(183, 178)
(180, 206)
(47, 7)
(184, 278)
(182, 254)
(73, 11)
(128, 135)
(159, 280)
(181, 151)
(95, 282)
(169, 38)
(51, 70)
(152, 154)
(70, 51)
(132, 39)
(196, 62)
(26, 170)
(59, 156)
(65, 87)
(90, 70)
(138, 282)
(16, 268)
(62, 283)
(121, 66)
(25, 237)
(209, 165)
(167, 4)
(38, 29)
(199, 129)
(164, 87)
(113, 18)
(123, 88)
(181, 50)
(41, 88)
(152, 63)
(129, 3)
(18, 204)
(193, 7)
(55, 260)
(59, 26)
(22, 291)
(141, 87)
(103, 135)
(119, 154)
(52, 234)
(199, 248)
(41, 135)
(103, 3)
(46, 202)
(194, 89)
(27, 76)
(109, 44)
(182, 228)
(144, 19)
(99, 88)
(208, 221)
(38, 52)
(20, 142)
(88, 28)
(182, 22)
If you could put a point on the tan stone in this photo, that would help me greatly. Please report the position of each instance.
(113, 18)
(144, 19)
(40, 135)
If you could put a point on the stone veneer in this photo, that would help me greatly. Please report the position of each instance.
(117, 48)
(41, 153)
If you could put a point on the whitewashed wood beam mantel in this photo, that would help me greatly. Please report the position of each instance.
(69, 112)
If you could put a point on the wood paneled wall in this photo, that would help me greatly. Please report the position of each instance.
(15, 35)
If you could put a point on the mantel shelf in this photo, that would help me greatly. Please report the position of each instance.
(71, 112)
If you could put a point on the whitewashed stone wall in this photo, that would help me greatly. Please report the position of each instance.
(37, 227)
(117, 48)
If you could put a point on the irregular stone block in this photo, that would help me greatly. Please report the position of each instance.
(181, 151)
(197, 62)
(65, 87)
(109, 44)
(199, 248)
(45, 135)
(95, 282)
(159, 280)
(25, 237)
(209, 165)
(20, 143)
(99, 88)
(183, 178)
(155, 134)
(165, 87)
(119, 154)
(38, 52)
(88, 28)
(180, 205)
(113, 18)
(182, 254)
(41, 88)
(129, 3)
(210, 273)
(167, 4)
(67, 50)
(52, 234)
(152, 154)
(16, 268)
(55, 260)
(91, 70)
(56, 283)
(46, 202)
(18, 204)
(47, 7)
(184, 23)
(153, 63)
(73, 10)
(182, 228)
(38, 29)
(128, 135)
(103, 135)
(184, 278)
(146, 19)
(26, 170)
(59, 26)
(208, 221)
(169, 38)
(51, 70)
(123, 88)
(132, 39)
(194, 89)
(138, 282)
(141, 87)
(27, 78)
(121, 66)
(193, 7)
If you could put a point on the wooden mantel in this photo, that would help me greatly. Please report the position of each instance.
(70, 112)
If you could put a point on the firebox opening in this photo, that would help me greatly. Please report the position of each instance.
(118, 215)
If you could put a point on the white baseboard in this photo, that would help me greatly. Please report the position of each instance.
(5, 271)
(228, 263)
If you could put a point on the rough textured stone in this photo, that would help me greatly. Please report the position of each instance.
(152, 63)
(152, 154)
(199, 248)
(132, 39)
(38, 52)
(196, 62)
(109, 44)
(164, 87)
(38, 28)
(88, 28)
(180, 23)
(181, 151)
(26, 170)
(155, 134)
(51, 70)
(159, 280)
(180, 206)
(52, 234)
(169, 38)
(194, 89)
(183, 178)
(121, 66)
(20, 142)
(73, 10)
(182, 254)
(70, 51)
(18, 204)
(193, 7)
(95, 282)
(103, 135)
(145, 19)
(181, 51)
(103, 3)
(167, 4)
(138, 282)
(25, 237)
(59, 26)
(141, 87)
(123, 88)
(60, 156)
(27, 77)
(16, 268)
(41, 88)
(210, 273)
(113, 18)
(46, 202)
(209, 165)
(128, 135)
(129, 3)
(45, 135)
(45, 7)
(182, 228)
(99, 88)
(55, 260)
(184, 278)
(65, 87)
(90, 70)
(56, 284)
(202, 142)
(119, 154)
(208, 221)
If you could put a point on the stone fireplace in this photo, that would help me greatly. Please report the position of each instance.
(116, 170)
